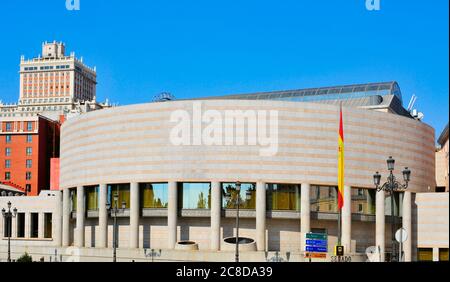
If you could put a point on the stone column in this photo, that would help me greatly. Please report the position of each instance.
(305, 213)
(134, 215)
(57, 220)
(14, 226)
(435, 254)
(407, 246)
(172, 214)
(216, 212)
(261, 216)
(27, 226)
(41, 223)
(102, 217)
(79, 235)
(2, 225)
(66, 218)
(380, 225)
(347, 220)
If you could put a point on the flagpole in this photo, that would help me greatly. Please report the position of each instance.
(339, 227)
(339, 231)
(340, 178)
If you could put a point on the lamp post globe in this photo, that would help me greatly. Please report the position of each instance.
(377, 179)
(238, 186)
(406, 174)
(390, 163)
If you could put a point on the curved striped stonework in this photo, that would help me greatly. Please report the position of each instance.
(132, 144)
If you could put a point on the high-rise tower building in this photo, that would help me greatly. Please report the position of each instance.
(53, 88)
(54, 84)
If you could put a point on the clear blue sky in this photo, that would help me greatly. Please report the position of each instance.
(215, 47)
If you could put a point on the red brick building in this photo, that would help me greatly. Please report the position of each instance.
(26, 146)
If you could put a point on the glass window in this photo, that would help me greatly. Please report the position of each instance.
(7, 227)
(9, 126)
(195, 195)
(29, 151)
(47, 225)
(28, 175)
(34, 225)
(92, 197)
(7, 175)
(21, 225)
(319, 230)
(29, 163)
(283, 197)
(363, 201)
(154, 195)
(425, 254)
(123, 191)
(443, 254)
(29, 138)
(29, 125)
(388, 204)
(7, 152)
(247, 196)
(323, 198)
(7, 163)
(73, 195)
(8, 138)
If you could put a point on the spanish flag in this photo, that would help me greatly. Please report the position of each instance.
(341, 163)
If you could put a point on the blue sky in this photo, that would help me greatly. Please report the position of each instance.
(215, 47)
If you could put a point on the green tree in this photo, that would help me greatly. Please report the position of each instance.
(201, 204)
(25, 258)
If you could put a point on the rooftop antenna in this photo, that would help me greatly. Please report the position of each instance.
(412, 102)
(414, 112)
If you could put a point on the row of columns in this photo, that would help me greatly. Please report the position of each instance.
(56, 222)
(216, 209)
(79, 238)
(27, 227)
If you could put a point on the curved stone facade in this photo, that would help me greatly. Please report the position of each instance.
(132, 144)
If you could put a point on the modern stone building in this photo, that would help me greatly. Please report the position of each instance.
(175, 193)
(442, 162)
(432, 222)
(173, 163)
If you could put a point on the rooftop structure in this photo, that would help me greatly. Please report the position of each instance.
(383, 96)
(443, 138)
(442, 162)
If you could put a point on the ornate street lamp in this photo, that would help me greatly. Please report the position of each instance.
(113, 211)
(391, 186)
(8, 215)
